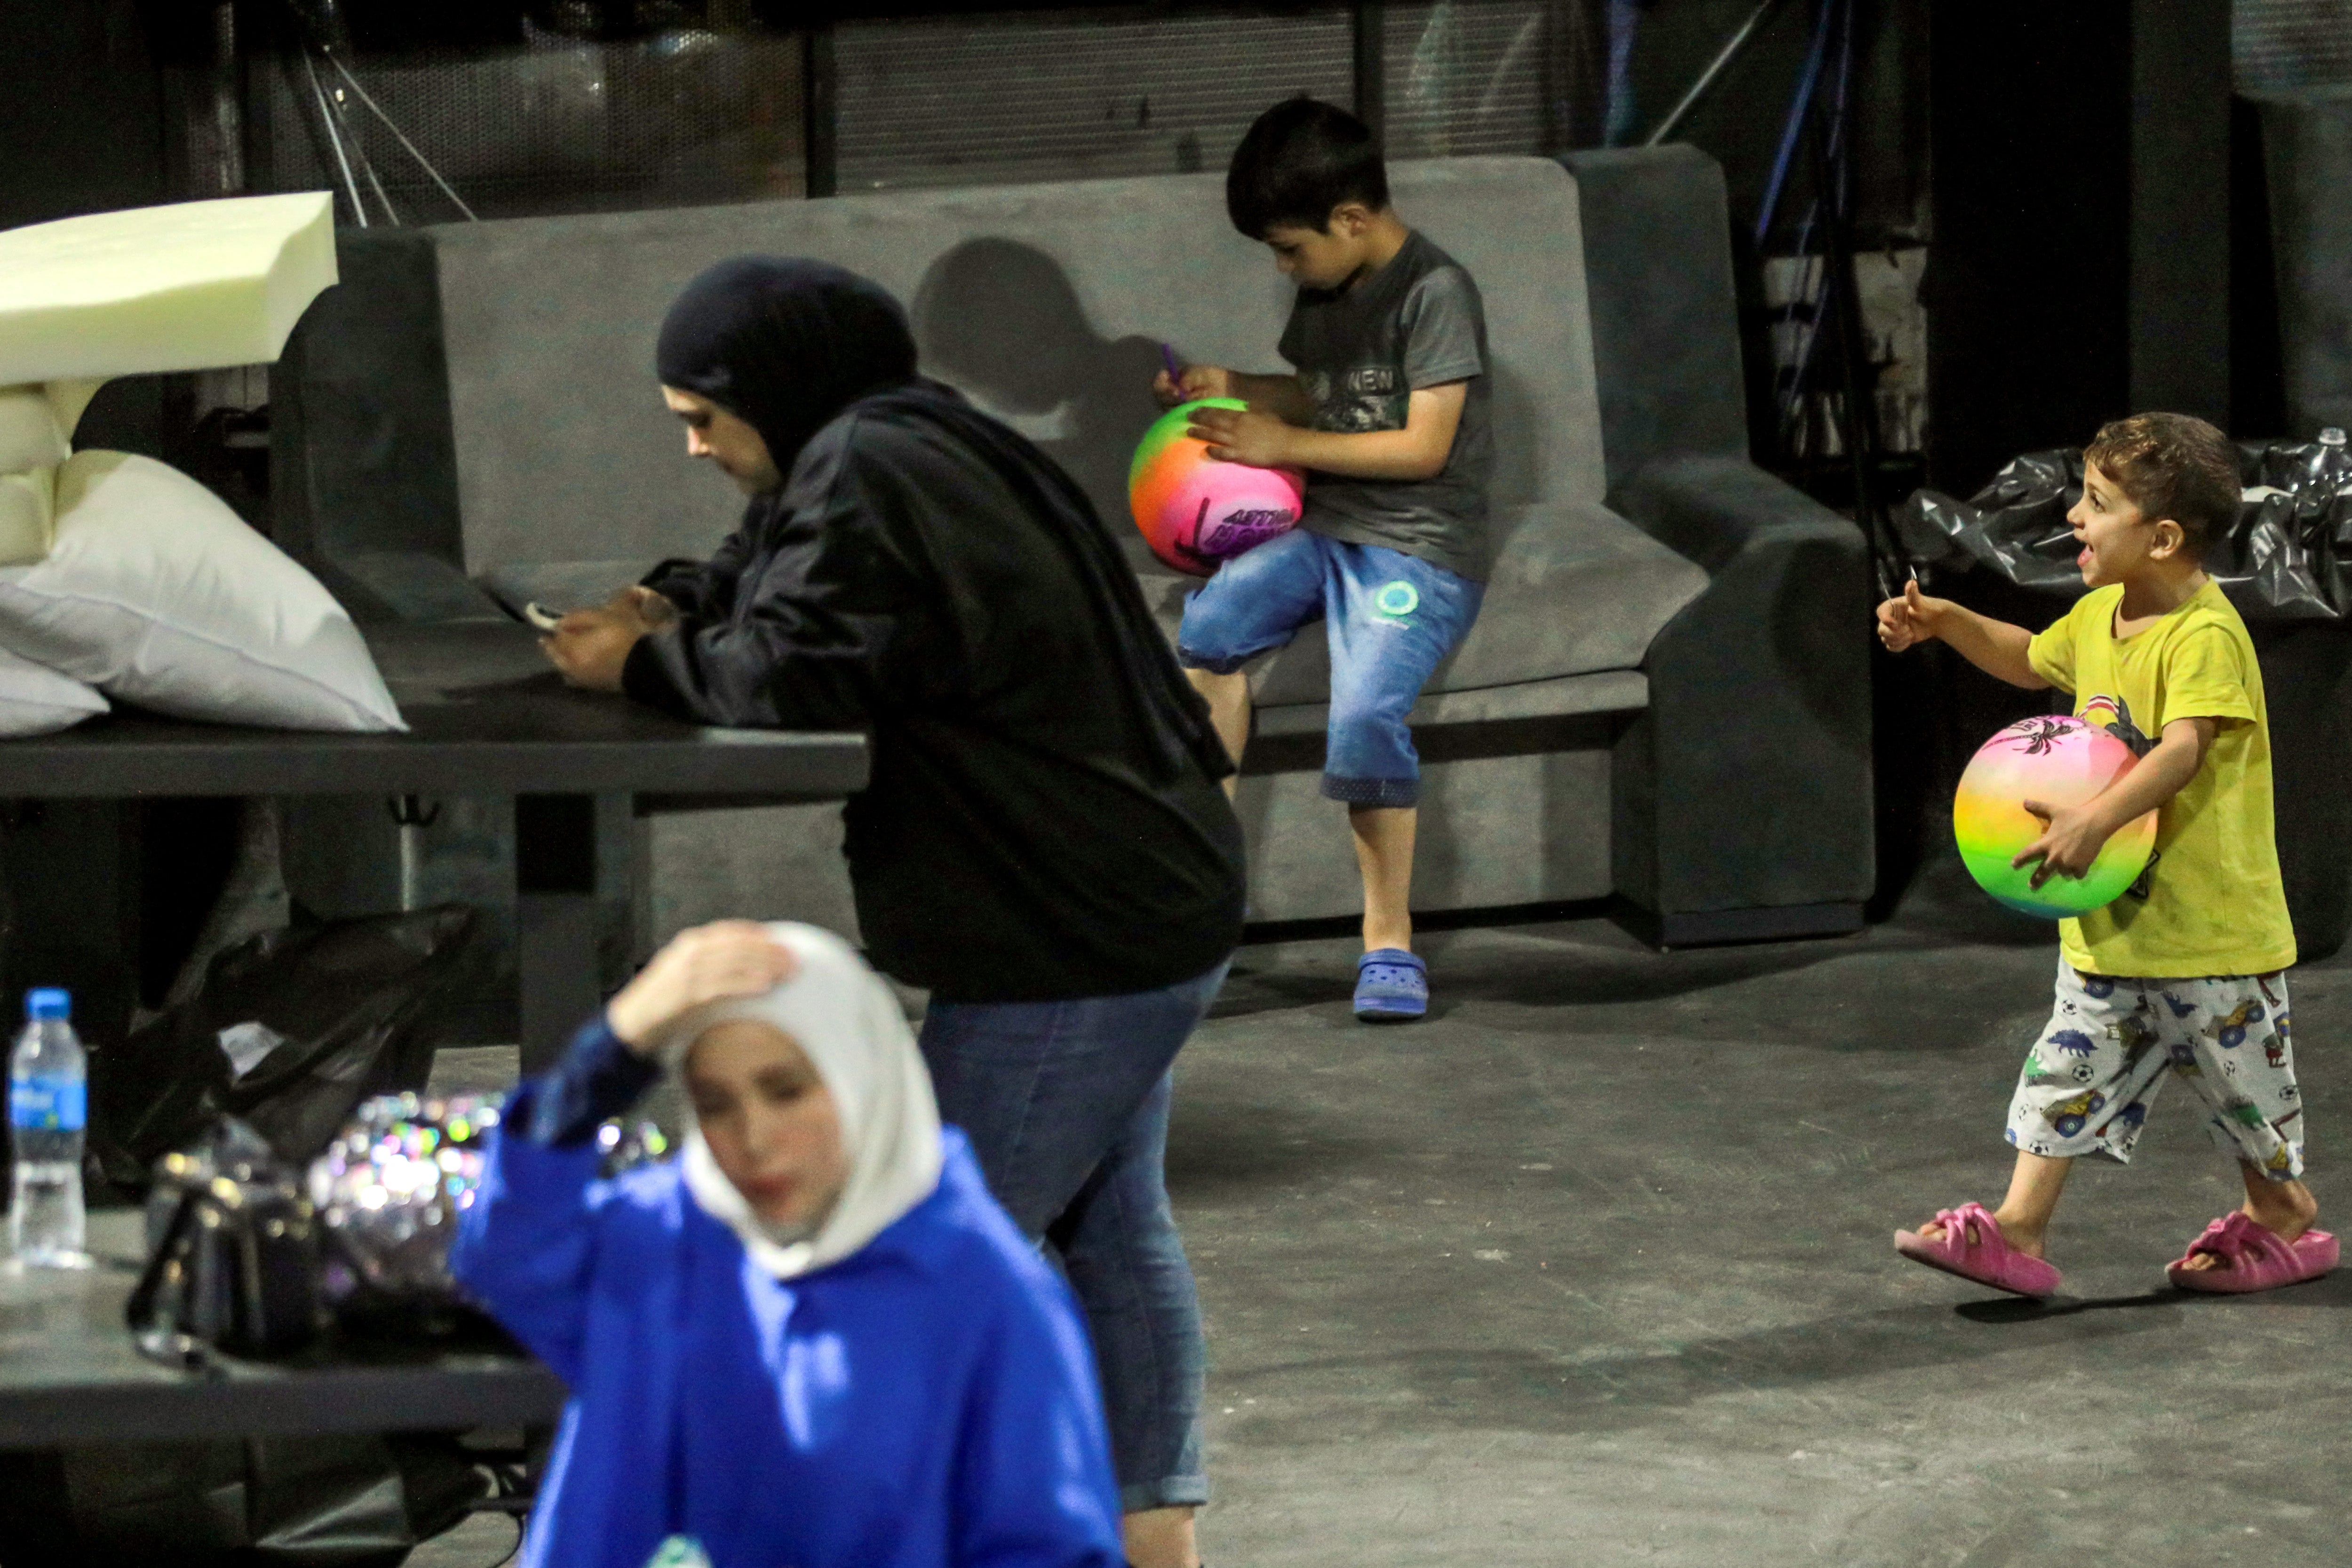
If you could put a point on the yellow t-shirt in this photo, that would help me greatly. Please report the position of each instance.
(2211, 901)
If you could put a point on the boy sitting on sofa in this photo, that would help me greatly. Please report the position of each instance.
(1388, 414)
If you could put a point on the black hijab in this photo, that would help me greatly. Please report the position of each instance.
(784, 344)
(788, 344)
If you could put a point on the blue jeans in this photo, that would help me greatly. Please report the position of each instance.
(1066, 1107)
(1392, 616)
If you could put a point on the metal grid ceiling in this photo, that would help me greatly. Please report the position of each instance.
(2291, 46)
(689, 115)
(986, 99)
(565, 125)
(1475, 75)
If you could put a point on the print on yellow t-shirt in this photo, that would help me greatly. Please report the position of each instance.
(2211, 901)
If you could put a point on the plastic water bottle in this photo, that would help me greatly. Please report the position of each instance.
(47, 1097)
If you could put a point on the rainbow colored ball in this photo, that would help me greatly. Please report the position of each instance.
(1196, 512)
(2054, 762)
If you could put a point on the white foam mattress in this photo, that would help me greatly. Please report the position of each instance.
(192, 286)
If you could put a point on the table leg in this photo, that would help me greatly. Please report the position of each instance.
(555, 919)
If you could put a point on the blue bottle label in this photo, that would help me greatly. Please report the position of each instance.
(46, 1104)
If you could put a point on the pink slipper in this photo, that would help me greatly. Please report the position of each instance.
(2256, 1259)
(1973, 1248)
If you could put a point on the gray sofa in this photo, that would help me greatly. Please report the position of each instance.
(1665, 697)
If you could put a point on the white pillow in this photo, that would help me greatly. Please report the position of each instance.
(153, 591)
(36, 700)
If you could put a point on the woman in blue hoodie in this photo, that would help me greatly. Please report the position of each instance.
(814, 1339)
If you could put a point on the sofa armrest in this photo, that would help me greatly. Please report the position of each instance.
(1744, 798)
(1665, 317)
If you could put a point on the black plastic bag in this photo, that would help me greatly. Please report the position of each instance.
(291, 1030)
(329, 1500)
(2287, 556)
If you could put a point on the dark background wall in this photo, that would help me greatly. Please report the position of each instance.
(1739, 124)
(81, 124)
(2083, 216)
(2091, 197)
(82, 130)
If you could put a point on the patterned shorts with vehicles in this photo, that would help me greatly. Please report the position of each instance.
(2094, 1075)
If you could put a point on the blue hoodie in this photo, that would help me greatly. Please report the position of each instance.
(927, 1401)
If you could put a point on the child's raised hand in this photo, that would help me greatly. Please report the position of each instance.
(2071, 839)
(1908, 619)
(1243, 435)
(1192, 383)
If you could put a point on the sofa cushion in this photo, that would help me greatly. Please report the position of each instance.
(1576, 589)
(1563, 696)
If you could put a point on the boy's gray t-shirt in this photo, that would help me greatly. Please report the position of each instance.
(1360, 354)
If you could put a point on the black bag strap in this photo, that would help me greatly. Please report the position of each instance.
(167, 1342)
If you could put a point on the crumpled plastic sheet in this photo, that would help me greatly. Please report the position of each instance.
(2288, 556)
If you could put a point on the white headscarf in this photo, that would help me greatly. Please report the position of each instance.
(856, 1035)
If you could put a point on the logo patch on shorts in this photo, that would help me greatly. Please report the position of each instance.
(1396, 600)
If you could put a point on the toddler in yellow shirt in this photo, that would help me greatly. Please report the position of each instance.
(2185, 971)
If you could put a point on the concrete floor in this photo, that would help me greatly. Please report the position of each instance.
(1594, 1268)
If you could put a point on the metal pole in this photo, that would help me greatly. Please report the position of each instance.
(367, 167)
(227, 112)
(820, 140)
(1800, 109)
(1835, 170)
(1370, 38)
(411, 816)
(1733, 47)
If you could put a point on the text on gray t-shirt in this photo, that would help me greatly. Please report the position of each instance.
(1360, 354)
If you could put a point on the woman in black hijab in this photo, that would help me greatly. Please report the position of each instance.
(1043, 843)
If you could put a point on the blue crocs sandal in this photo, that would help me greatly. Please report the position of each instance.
(1392, 986)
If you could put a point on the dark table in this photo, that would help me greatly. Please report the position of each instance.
(486, 716)
(70, 1377)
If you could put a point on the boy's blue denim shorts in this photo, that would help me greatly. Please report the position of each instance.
(1392, 616)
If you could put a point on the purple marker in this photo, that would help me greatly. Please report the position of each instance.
(1175, 371)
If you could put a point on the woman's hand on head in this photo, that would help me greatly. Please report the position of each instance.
(716, 962)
